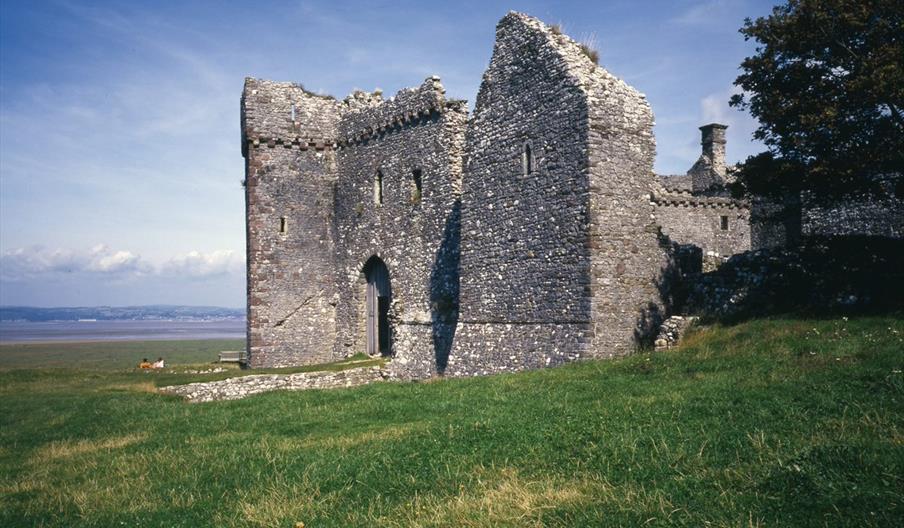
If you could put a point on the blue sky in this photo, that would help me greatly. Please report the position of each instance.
(120, 162)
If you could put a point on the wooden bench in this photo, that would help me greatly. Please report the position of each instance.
(232, 356)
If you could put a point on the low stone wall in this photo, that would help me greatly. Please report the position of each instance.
(236, 388)
(672, 330)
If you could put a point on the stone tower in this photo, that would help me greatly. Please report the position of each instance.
(289, 141)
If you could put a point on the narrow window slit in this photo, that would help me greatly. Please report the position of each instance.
(283, 225)
(416, 186)
(724, 220)
(378, 188)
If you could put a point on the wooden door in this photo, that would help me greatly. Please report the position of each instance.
(377, 301)
(370, 306)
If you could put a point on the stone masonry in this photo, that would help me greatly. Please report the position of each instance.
(697, 208)
(531, 233)
(242, 386)
(520, 237)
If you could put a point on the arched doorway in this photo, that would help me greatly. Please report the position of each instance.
(377, 299)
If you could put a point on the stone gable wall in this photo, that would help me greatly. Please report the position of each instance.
(561, 263)
(525, 260)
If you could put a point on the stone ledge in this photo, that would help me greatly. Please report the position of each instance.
(240, 387)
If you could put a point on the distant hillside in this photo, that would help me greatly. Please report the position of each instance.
(120, 313)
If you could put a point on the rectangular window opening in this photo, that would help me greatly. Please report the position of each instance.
(724, 220)
(283, 225)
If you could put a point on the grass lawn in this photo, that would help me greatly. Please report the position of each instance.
(112, 354)
(782, 422)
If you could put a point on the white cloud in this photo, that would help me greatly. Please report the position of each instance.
(24, 262)
(199, 265)
(117, 262)
(37, 261)
(714, 109)
(708, 14)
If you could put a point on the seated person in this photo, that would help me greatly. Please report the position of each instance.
(145, 364)
(158, 363)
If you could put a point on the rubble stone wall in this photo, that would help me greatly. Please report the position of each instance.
(557, 229)
(821, 275)
(698, 220)
(861, 215)
(525, 259)
(244, 386)
(290, 167)
(413, 231)
(628, 262)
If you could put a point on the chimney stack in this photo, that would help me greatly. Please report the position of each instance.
(713, 141)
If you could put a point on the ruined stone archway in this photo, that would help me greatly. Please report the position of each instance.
(377, 300)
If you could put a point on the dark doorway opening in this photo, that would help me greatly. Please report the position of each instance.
(377, 301)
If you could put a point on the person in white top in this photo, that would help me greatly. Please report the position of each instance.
(158, 363)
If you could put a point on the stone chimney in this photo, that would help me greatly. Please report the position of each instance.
(713, 141)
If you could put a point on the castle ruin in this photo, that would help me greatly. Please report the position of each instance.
(531, 233)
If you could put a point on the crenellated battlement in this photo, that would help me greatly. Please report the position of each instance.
(409, 106)
(664, 197)
(284, 114)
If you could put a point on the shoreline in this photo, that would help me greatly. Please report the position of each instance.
(4, 343)
(119, 331)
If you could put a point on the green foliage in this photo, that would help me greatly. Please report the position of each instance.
(784, 422)
(827, 86)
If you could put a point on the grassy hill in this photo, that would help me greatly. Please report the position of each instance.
(778, 422)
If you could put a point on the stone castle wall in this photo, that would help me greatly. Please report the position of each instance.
(628, 263)
(559, 252)
(698, 220)
(782, 222)
(415, 232)
(288, 139)
(525, 263)
(881, 215)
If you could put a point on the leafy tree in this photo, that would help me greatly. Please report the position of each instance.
(827, 86)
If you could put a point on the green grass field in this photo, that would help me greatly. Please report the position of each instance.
(112, 354)
(779, 422)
